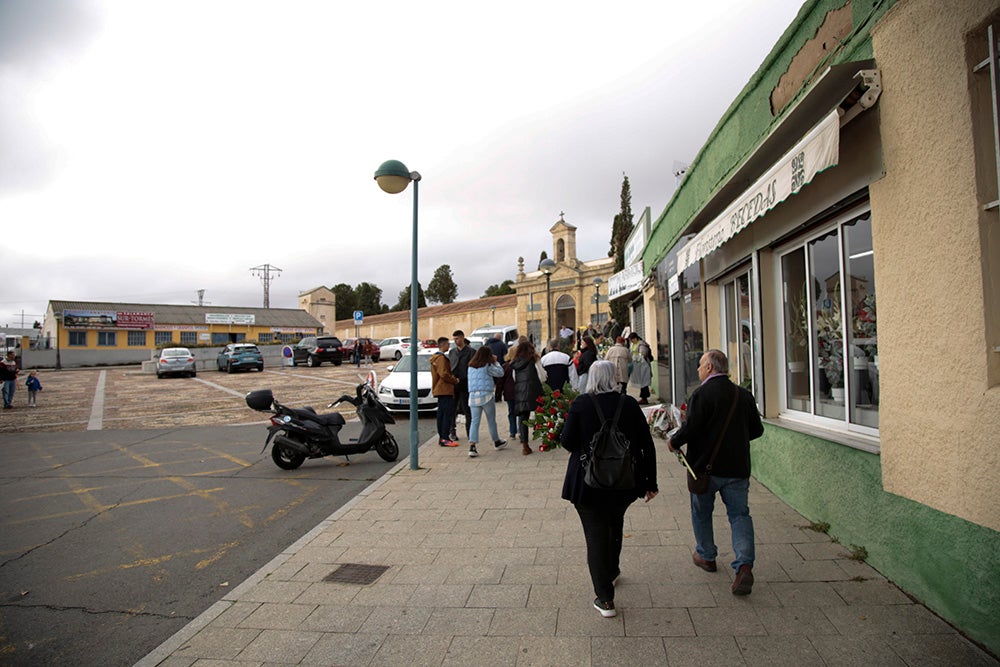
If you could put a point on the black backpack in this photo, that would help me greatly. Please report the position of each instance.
(608, 463)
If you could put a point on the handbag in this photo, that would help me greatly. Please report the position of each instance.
(700, 485)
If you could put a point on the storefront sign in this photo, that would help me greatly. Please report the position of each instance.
(623, 282)
(816, 151)
(229, 318)
(107, 319)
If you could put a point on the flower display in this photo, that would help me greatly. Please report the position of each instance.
(546, 422)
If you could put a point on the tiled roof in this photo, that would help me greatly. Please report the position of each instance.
(506, 301)
(167, 314)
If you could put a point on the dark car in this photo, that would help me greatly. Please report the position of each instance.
(369, 348)
(314, 350)
(240, 356)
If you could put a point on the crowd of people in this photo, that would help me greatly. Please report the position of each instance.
(471, 383)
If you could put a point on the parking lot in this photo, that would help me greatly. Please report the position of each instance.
(131, 504)
(127, 398)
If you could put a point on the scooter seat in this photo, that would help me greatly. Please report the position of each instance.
(327, 419)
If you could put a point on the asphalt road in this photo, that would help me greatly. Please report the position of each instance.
(113, 540)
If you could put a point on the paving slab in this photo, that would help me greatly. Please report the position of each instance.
(487, 566)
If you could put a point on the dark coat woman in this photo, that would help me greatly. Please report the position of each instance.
(602, 513)
(527, 388)
(588, 355)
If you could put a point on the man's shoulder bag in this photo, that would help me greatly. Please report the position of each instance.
(700, 485)
(608, 463)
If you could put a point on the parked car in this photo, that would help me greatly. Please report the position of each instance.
(396, 347)
(429, 344)
(508, 332)
(314, 350)
(394, 390)
(175, 361)
(369, 348)
(239, 356)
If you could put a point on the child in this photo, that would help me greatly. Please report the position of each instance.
(34, 386)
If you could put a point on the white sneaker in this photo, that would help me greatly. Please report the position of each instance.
(606, 607)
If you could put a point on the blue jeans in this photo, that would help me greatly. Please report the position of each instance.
(8, 391)
(445, 409)
(491, 421)
(734, 492)
(511, 420)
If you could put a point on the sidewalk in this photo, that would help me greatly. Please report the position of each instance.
(486, 566)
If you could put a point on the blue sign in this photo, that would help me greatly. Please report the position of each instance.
(358, 316)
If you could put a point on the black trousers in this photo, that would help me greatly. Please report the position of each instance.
(602, 529)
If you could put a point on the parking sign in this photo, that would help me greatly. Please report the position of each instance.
(358, 316)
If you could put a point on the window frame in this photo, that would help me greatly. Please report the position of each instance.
(72, 334)
(107, 339)
(801, 242)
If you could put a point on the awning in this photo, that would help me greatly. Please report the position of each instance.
(819, 149)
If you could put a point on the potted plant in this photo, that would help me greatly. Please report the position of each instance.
(831, 348)
(865, 327)
(798, 330)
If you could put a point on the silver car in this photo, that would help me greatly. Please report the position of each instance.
(175, 361)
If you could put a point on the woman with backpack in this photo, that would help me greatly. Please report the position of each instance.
(602, 512)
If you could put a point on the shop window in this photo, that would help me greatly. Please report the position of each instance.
(664, 388)
(830, 326)
(77, 338)
(189, 338)
(689, 332)
(137, 339)
(163, 337)
(265, 338)
(737, 326)
(107, 338)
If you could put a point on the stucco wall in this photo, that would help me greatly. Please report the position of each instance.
(940, 422)
(429, 326)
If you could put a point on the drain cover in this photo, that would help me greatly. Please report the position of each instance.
(356, 573)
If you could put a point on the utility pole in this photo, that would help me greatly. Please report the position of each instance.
(201, 298)
(265, 272)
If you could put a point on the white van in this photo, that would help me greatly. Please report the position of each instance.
(483, 334)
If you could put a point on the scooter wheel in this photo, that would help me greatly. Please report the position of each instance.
(286, 458)
(387, 448)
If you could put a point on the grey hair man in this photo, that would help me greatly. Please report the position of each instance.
(721, 415)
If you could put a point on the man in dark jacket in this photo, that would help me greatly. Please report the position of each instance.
(708, 408)
(460, 356)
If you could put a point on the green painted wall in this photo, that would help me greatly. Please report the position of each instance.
(947, 563)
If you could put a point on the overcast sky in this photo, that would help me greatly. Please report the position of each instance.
(149, 149)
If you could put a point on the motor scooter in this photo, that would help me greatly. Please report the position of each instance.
(302, 433)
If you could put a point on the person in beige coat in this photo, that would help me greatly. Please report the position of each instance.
(621, 356)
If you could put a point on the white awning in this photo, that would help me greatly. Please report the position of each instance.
(625, 281)
(819, 149)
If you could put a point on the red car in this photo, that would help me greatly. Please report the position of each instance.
(430, 344)
(368, 348)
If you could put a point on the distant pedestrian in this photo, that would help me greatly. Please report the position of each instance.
(443, 383)
(556, 364)
(460, 356)
(622, 359)
(588, 355)
(8, 375)
(483, 369)
(34, 386)
(499, 350)
(602, 513)
(642, 373)
(528, 378)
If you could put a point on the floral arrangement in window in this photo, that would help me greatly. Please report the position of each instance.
(799, 324)
(831, 344)
(865, 326)
(546, 422)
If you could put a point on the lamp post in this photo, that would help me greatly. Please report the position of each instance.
(597, 300)
(393, 177)
(547, 266)
(493, 314)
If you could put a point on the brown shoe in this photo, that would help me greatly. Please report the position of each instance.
(707, 565)
(525, 449)
(743, 582)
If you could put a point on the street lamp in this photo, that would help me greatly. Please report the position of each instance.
(493, 314)
(547, 266)
(393, 177)
(597, 300)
